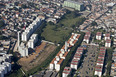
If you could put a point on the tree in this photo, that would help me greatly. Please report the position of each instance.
(2, 23)
(73, 26)
(16, 3)
(93, 23)
(61, 25)
(3, 37)
(23, 6)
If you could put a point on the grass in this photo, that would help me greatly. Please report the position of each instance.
(109, 60)
(55, 35)
(58, 32)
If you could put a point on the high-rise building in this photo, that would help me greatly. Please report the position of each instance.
(73, 4)
(30, 29)
(23, 50)
(32, 41)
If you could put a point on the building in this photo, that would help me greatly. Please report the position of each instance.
(30, 29)
(57, 62)
(98, 70)
(23, 50)
(114, 42)
(100, 62)
(107, 36)
(5, 65)
(87, 37)
(74, 64)
(108, 43)
(32, 41)
(76, 59)
(73, 4)
(113, 67)
(66, 72)
(99, 35)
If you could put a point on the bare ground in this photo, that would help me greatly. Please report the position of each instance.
(41, 54)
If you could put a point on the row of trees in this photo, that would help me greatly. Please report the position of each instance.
(2, 23)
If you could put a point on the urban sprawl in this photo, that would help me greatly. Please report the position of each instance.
(57, 38)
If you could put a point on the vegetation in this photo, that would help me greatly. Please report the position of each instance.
(2, 5)
(71, 54)
(109, 60)
(58, 33)
(2, 23)
(24, 6)
(40, 30)
(93, 23)
(3, 37)
(61, 30)
(44, 64)
(47, 61)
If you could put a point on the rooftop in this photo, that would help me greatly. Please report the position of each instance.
(74, 2)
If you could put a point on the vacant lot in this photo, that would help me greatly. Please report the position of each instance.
(58, 32)
(41, 53)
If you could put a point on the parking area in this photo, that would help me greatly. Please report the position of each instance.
(87, 67)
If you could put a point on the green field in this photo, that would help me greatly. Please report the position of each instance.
(57, 33)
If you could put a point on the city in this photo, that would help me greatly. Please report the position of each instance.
(57, 38)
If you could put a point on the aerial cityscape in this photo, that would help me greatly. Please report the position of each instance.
(57, 38)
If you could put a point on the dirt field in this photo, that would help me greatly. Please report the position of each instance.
(41, 53)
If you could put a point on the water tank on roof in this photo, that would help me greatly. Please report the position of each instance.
(62, 50)
(68, 50)
(57, 58)
(61, 54)
(76, 34)
(72, 33)
(72, 39)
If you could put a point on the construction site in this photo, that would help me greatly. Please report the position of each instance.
(36, 58)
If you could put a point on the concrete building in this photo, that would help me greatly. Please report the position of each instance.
(5, 65)
(57, 62)
(23, 50)
(74, 4)
(108, 43)
(30, 29)
(98, 35)
(76, 59)
(107, 36)
(1, 73)
(28, 35)
(87, 37)
(98, 70)
(66, 72)
(32, 41)
(100, 62)
(74, 64)
(114, 42)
